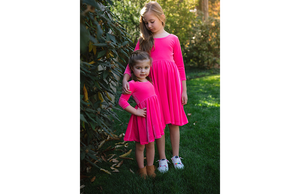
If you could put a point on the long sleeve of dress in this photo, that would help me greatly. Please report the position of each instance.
(127, 70)
(179, 60)
(123, 101)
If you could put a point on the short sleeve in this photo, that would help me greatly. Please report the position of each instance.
(127, 70)
(179, 59)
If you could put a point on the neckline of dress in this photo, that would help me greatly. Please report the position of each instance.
(162, 37)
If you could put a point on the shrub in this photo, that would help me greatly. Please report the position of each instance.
(203, 49)
(104, 49)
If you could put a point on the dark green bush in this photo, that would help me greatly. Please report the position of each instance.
(104, 49)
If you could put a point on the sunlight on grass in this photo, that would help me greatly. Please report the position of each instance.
(200, 86)
(208, 104)
(211, 78)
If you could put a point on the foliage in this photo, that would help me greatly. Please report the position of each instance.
(129, 13)
(179, 18)
(104, 48)
(203, 49)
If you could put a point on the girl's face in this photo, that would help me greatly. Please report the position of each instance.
(153, 23)
(141, 69)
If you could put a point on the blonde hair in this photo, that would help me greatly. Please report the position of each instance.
(146, 38)
(135, 56)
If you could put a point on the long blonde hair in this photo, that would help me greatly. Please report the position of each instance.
(146, 38)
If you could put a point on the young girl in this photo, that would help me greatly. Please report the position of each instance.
(145, 124)
(167, 74)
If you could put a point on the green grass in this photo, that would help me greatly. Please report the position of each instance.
(199, 148)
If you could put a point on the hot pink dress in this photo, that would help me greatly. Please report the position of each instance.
(167, 74)
(143, 129)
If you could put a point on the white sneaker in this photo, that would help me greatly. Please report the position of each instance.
(163, 165)
(177, 162)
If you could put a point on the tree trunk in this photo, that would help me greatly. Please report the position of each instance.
(205, 9)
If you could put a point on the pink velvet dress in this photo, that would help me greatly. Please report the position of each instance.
(143, 129)
(167, 73)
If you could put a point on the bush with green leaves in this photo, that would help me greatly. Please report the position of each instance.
(104, 50)
(203, 48)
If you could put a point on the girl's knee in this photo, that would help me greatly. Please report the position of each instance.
(150, 145)
(139, 147)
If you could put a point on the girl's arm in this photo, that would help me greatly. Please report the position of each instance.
(123, 102)
(184, 97)
(179, 59)
(180, 65)
(127, 75)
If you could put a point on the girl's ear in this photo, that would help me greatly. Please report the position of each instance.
(163, 16)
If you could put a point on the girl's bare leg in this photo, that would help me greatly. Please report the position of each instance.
(139, 154)
(175, 139)
(150, 151)
(161, 147)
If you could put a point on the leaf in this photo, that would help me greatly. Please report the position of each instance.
(126, 154)
(111, 157)
(92, 3)
(93, 179)
(106, 171)
(100, 44)
(114, 160)
(110, 2)
(82, 118)
(124, 43)
(88, 169)
(119, 164)
(101, 54)
(131, 171)
(115, 170)
(99, 31)
(82, 155)
(126, 158)
(108, 96)
(101, 144)
(94, 49)
(100, 97)
(105, 74)
(90, 46)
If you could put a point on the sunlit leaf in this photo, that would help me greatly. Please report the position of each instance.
(126, 154)
(106, 171)
(93, 179)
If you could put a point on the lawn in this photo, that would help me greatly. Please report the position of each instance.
(199, 148)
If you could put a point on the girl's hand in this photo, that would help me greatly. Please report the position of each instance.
(125, 89)
(184, 98)
(141, 112)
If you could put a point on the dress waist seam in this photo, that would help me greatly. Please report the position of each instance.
(146, 99)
